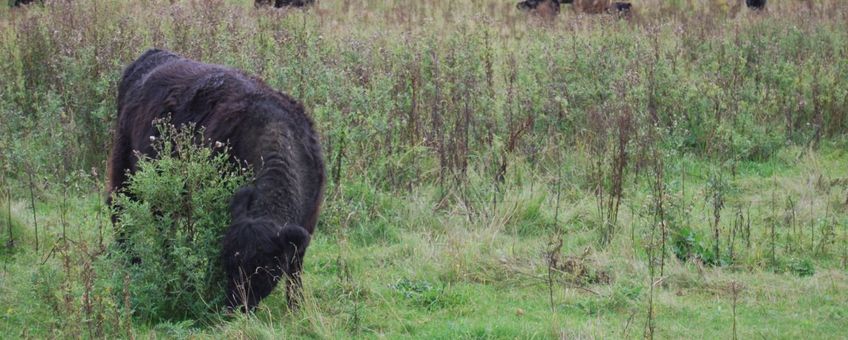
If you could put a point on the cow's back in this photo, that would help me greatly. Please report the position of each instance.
(162, 85)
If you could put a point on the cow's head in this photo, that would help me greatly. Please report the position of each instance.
(258, 252)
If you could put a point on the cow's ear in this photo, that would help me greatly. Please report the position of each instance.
(293, 239)
(242, 201)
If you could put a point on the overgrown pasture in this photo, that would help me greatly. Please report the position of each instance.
(682, 173)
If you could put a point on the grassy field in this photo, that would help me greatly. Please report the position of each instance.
(491, 173)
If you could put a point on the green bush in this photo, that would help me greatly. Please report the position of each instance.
(688, 244)
(801, 267)
(173, 225)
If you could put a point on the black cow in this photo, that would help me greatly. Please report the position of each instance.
(620, 7)
(756, 4)
(274, 217)
(18, 3)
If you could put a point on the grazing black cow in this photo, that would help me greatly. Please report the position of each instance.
(756, 4)
(285, 3)
(274, 217)
(18, 3)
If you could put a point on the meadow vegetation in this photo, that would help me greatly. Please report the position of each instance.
(491, 174)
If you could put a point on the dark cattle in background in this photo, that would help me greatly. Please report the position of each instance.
(274, 217)
(17, 3)
(620, 7)
(756, 4)
(284, 3)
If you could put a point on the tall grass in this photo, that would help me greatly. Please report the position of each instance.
(710, 84)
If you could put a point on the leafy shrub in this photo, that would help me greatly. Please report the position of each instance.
(801, 267)
(688, 244)
(173, 225)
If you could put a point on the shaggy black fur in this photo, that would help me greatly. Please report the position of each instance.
(272, 218)
(756, 4)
